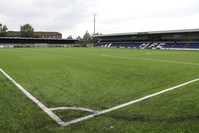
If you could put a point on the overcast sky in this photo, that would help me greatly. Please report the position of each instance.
(74, 17)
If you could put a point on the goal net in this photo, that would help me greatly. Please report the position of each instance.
(41, 45)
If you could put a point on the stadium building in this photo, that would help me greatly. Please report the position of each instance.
(18, 42)
(41, 33)
(47, 39)
(172, 39)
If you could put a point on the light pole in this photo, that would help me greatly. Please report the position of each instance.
(94, 15)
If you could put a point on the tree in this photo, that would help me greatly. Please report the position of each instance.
(87, 36)
(3, 30)
(70, 37)
(27, 30)
(37, 35)
(85, 40)
(79, 38)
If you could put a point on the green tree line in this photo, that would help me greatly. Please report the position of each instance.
(27, 30)
(3, 30)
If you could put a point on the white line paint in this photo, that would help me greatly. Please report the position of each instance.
(176, 62)
(41, 105)
(73, 108)
(96, 113)
(127, 104)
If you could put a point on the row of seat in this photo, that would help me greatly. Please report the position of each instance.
(149, 45)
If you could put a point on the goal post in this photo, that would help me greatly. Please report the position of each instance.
(41, 45)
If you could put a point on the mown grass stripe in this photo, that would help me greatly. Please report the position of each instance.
(166, 61)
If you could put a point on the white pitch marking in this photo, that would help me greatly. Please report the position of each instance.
(176, 62)
(35, 100)
(62, 123)
(73, 108)
(127, 104)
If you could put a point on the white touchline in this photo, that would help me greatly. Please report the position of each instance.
(42, 106)
(95, 113)
(35, 100)
(176, 62)
(128, 103)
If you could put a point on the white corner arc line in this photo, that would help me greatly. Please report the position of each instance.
(73, 108)
(166, 61)
(62, 123)
(127, 104)
(35, 100)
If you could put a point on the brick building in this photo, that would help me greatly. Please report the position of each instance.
(40, 33)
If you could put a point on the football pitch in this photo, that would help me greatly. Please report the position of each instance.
(99, 83)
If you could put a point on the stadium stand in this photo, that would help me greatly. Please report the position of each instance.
(179, 45)
(144, 45)
(193, 45)
(136, 45)
(18, 42)
(114, 44)
(167, 45)
(174, 39)
(154, 45)
(141, 45)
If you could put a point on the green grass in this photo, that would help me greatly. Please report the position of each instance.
(83, 77)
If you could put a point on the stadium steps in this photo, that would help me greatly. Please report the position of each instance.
(173, 45)
(187, 45)
(149, 45)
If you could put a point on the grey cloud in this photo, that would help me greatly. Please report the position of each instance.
(66, 15)
(47, 14)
